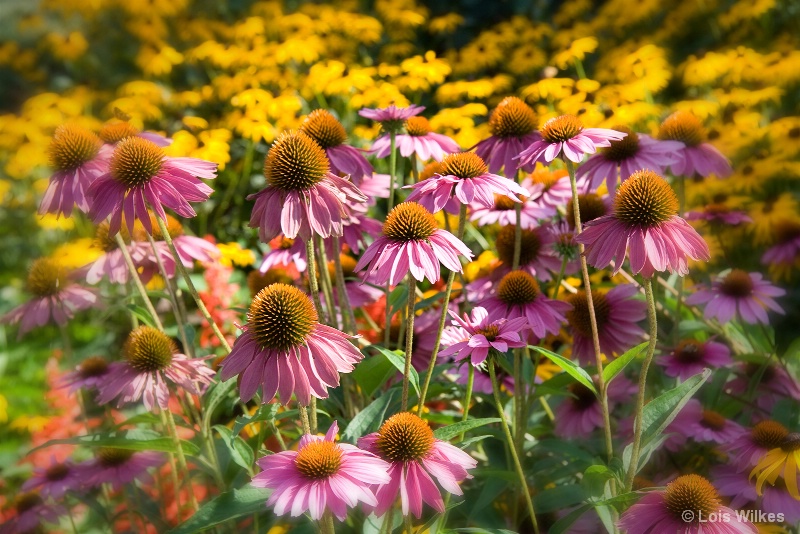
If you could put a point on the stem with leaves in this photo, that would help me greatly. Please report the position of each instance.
(412, 300)
(137, 281)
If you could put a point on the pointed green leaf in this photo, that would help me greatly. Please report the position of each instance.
(230, 505)
(616, 365)
(448, 432)
(569, 367)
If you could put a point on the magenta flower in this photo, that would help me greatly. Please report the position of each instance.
(743, 496)
(419, 139)
(151, 358)
(696, 157)
(617, 315)
(549, 188)
(580, 413)
(302, 196)
(391, 118)
(483, 334)
(513, 128)
(645, 220)
(787, 246)
(190, 248)
(357, 228)
(284, 252)
(466, 178)
(328, 132)
(747, 450)
(88, 375)
(518, 295)
(76, 156)
(503, 212)
(140, 174)
(719, 214)
(32, 512)
(537, 253)
(566, 134)
(625, 156)
(689, 505)
(411, 242)
(111, 264)
(54, 480)
(321, 475)
(119, 467)
(775, 384)
(704, 425)
(285, 349)
(407, 443)
(690, 357)
(55, 298)
(745, 295)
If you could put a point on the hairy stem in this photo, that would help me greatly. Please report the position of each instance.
(137, 281)
(412, 300)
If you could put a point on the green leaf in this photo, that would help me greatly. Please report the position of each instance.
(217, 393)
(398, 298)
(558, 498)
(266, 412)
(370, 418)
(448, 432)
(134, 440)
(569, 367)
(595, 479)
(224, 507)
(425, 303)
(397, 359)
(372, 373)
(142, 314)
(616, 365)
(240, 451)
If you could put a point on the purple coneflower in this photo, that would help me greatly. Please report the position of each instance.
(549, 188)
(151, 358)
(411, 242)
(566, 134)
(391, 118)
(321, 475)
(141, 174)
(76, 157)
(190, 248)
(284, 251)
(624, 157)
(328, 132)
(513, 128)
(419, 139)
(484, 334)
(592, 206)
(119, 467)
(750, 446)
(787, 247)
(518, 295)
(617, 315)
(89, 374)
(285, 349)
(774, 384)
(644, 219)
(697, 156)
(719, 214)
(55, 480)
(465, 178)
(503, 212)
(691, 356)
(55, 297)
(741, 294)
(742, 493)
(111, 264)
(115, 131)
(536, 257)
(704, 425)
(580, 413)
(414, 454)
(690, 504)
(32, 512)
(302, 196)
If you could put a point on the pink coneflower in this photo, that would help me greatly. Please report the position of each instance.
(357, 228)
(190, 248)
(419, 139)
(358, 293)
(503, 212)
(140, 174)
(518, 295)
(513, 128)
(328, 132)
(739, 293)
(719, 214)
(624, 157)
(465, 178)
(411, 242)
(119, 467)
(566, 135)
(391, 118)
(285, 349)
(617, 315)
(321, 475)
(374, 187)
(407, 443)
(689, 505)
(88, 375)
(645, 220)
(691, 356)
(76, 157)
(54, 480)
(752, 445)
(536, 257)
(284, 251)
(55, 298)
(302, 196)
(484, 334)
(592, 206)
(704, 425)
(115, 131)
(787, 247)
(32, 512)
(151, 358)
(697, 156)
(742, 493)
(775, 384)
(549, 188)
(111, 264)
(580, 413)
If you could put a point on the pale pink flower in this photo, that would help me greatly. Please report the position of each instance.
(696, 157)
(329, 133)
(513, 128)
(566, 135)
(419, 139)
(392, 117)
(484, 334)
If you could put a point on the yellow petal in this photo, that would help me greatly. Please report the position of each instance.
(773, 469)
(790, 475)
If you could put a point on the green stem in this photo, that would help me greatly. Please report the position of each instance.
(304, 419)
(389, 521)
(313, 415)
(392, 167)
(412, 300)
(409, 525)
(462, 221)
(137, 281)
(579, 69)
(327, 286)
(65, 342)
(172, 296)
(468, 394)
(348, 318)
(200, 304)
(326, 523)
(560, 277)
(313, 286)
(517, 465)
(651, 350)
(169, 420)
(519, 387)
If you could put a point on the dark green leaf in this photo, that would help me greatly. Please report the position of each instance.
(370, 418)
(135, 440)
(372, 373)
(227, 506)
(398, 360)
(266, 412)
(240, 451)
(616, 365)
(450, 431)
(570, 367)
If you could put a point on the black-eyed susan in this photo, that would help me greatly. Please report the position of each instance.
(781, 462)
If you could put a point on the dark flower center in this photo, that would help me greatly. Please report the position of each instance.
(769, 434)
(148, 350)
(404, 437)
(418, 126)
(136, 161)
(578, 316)
(430, 170)
(786, 231)
(322, 127)
(504, 203)
(72, 146)
(295, 162)
(46, 277)
(547, 177)
(92, 367)
(113, 457)
(286, 243)
(281, 317)
(409, 221)
(712, 420)
(106, 242)
(319, 459)
(490, 332)
(690, 351)
(114, 132)
(591, 206)
(174, 227)
(56, 472)
(751, 368)
(625, 148)
(348, 266)
(529, 250)
(583, 396)
(645, 199)
(791, 442)
(563, 128)
(737, 284)
(691, 493)
(682, 126)
(28, 501)
(464, 165)
(256, 280)
(518, 288)
(512, 118)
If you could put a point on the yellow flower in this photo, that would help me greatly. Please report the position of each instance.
(29, 423)
(577, 51)
(234, 254)
(158, 61)
(768, 213)
(445, 24)
(50, 222)
(481, 266)
(77, 253)
(780, 462)
(3, 409)
(423, 72)
(548, 89)
(745, 11)
(69, 47)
